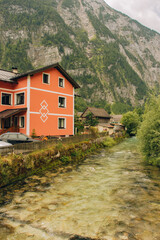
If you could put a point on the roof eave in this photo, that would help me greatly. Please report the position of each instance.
(57, 66)
(8, 81)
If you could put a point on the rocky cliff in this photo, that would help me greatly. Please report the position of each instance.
(114, 58)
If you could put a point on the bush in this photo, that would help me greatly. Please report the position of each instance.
(109, 142)
(131, 121)
(149, 132)
(94, 131)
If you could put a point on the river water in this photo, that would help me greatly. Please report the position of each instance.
(112, 195)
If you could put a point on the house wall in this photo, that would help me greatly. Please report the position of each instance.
(23, 130)
(13, 89)
(103, 120)
(44, 107)
(6, 88)
(42, 103)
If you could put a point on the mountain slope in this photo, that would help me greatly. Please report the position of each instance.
(114, 58)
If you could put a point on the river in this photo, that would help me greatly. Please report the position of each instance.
(112, 195)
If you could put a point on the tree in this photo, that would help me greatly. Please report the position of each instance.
(120, 108)
(149, 132)
(78, 124)
(91, 120)
(131, 121)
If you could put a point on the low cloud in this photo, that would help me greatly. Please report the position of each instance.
(147, 12)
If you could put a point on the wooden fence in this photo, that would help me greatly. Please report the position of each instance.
(25, 148)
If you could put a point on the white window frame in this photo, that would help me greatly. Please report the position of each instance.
(11, 98)
(16, 99)
(65, 104)
(20, 122)
(64, 123)
(48, 78)
(63, 82)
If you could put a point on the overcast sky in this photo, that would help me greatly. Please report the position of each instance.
(146, 12)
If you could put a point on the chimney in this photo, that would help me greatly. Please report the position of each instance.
(14, 70)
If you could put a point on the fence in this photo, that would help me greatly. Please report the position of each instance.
(30, 147)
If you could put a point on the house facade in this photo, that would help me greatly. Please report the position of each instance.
(41, 100)
(100, 114)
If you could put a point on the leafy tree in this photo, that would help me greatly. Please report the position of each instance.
(131, 121)
(120, 108)
(149, 132)
(78, 124)
(140, 112)
(91, 120)
(16, 53)
(80, 104)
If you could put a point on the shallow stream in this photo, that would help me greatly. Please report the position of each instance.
(112, 195)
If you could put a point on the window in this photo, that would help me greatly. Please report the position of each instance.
(21, 122)
(61, 82)
(19, 98)
(46, 78)
(62, 102)
(61, 123)
(6, 99)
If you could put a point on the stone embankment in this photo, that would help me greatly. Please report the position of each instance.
(17, 167)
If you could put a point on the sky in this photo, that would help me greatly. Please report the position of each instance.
(147, 12)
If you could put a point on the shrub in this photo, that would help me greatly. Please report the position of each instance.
(149, 132)
(109, 142)
(94, 131)
(131, 121)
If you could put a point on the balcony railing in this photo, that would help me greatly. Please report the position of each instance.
(11, 129)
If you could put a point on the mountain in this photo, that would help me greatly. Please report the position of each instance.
(114, 58)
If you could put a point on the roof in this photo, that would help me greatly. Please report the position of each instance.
(6, 76)
(55, 65)
(110, 126)
(9, 112)
(116, 118)
(79, 114)
(97, 112)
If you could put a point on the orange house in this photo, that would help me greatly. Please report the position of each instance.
(40, 100)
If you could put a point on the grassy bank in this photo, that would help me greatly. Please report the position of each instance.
(16, 167)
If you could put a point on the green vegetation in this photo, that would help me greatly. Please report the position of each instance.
(149, 132)
(17, 167)
(108, 59)
(81, 36)
(120, 107)
(75, 60)
(144, 31)
(70, 3)
(1, 51)
(90, 120)
(100, 28)
(15, 53)
(80, 104)
(99, 63)
(78, 124)
(109, 142)
(131, 121)
(60, 39)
